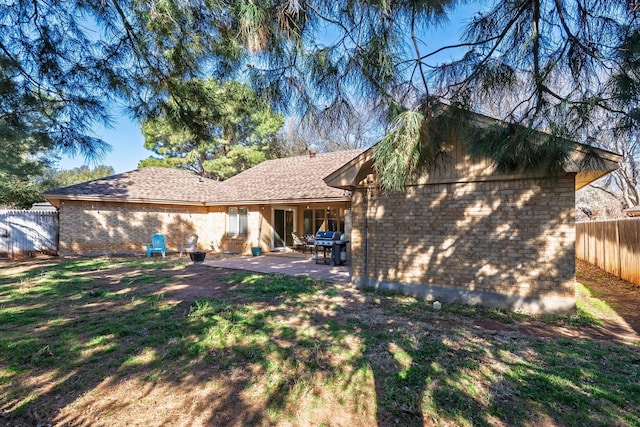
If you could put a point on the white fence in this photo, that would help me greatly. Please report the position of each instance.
(25, 233)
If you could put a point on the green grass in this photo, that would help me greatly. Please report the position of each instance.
(292, 346)
(260, 286)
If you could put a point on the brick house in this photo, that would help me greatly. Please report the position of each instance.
(259, 207)
(468, 234)
(464, 233)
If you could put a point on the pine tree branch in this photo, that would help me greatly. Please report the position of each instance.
(498, 41)
(347, 31)
(570, 36)
(23, 72)
(536, 57)
(454, 46)
(417, 49)
(134, 42)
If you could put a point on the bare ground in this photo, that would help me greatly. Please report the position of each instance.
(620, 295)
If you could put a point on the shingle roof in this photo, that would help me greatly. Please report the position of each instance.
(150, 184)
(291, 178)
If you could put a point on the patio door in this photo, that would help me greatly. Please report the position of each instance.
(283, 220)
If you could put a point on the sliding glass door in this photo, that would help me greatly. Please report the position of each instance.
(283, 220)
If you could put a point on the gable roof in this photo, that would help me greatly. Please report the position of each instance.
(288, 179)
(350, 174)
(146, 185)
(273, 181)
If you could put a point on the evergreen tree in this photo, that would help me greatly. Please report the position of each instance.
(213, 130)
(24, 143)
(543, 64)
(550, 65)
(67, 62)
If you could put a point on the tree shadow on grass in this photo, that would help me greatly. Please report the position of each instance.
(280, 350)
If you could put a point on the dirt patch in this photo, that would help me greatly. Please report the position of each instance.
(622, 296)
(619, 321)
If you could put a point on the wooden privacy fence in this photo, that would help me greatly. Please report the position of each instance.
(614, 246)
(24, 233)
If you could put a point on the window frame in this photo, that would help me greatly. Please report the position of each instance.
(235, 219)
(321, 219)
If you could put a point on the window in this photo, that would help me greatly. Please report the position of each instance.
(319, 218)
(237, 222)
(331, 219)
(307, 222)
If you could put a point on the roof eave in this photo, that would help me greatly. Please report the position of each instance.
(351, 173)
(279, 201)
(587, 173)
(584, 178)
(56, 198)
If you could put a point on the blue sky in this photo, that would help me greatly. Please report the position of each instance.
(126, 140)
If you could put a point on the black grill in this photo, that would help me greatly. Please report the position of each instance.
(327, 238)
(332, 242)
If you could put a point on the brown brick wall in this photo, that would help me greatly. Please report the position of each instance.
(499, 243)
(100, 227)
(103, 228)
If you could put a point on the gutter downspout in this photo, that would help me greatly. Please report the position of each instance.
(366, 239)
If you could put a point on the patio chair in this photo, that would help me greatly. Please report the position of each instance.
(157, 245)
(297, 242)
(190, 245)
(303, 244)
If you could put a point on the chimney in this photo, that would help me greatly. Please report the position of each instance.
(312, 153)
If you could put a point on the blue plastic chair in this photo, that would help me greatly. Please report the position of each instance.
(157, 245)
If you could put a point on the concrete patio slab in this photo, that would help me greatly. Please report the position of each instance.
(289, 264)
